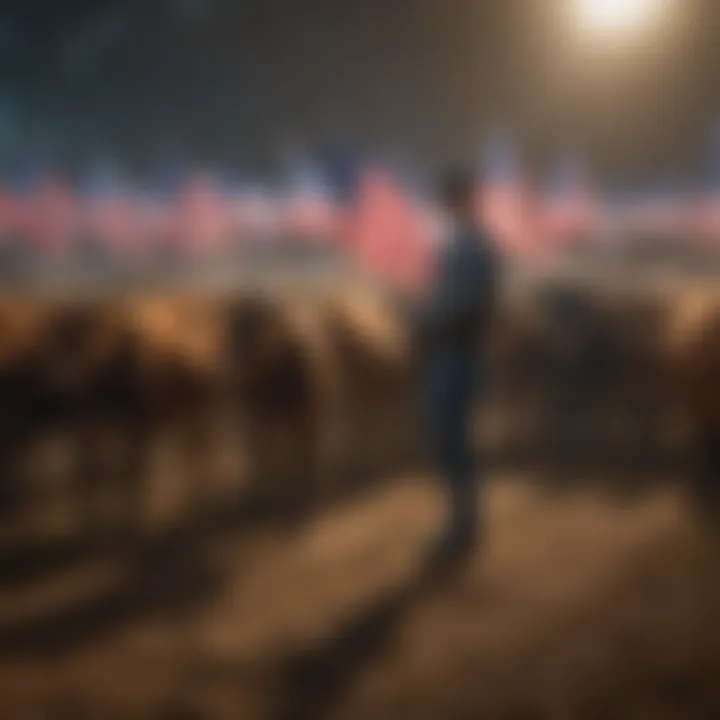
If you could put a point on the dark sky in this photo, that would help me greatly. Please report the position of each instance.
(233, 80)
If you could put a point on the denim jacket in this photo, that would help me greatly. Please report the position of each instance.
(462, 299)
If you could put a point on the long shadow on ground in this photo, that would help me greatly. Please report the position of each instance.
(32, 559)
(167, 574)
(169, 578)
(314, 679)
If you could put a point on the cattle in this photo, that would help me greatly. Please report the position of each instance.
(86, 363)
(281, 380)
(640, 388)
(166, 383)
(551, 355)
(326, 391)
(21, 403)
(112, 374)
(517, 368)
(72, 374)
(121, 373)
(572, 356)
(316, 384)
(380, 371)
(694, 363)
(578, 363)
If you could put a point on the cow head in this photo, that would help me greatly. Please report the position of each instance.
(68, 350)
(255, 334)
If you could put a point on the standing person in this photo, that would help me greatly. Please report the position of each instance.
(454, 330)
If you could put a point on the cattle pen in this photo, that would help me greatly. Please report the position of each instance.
(185, 589)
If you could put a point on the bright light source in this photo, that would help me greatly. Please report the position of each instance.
(610, 15)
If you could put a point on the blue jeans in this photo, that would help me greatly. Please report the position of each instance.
(452, 384)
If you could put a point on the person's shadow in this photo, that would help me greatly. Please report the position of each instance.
(173, 577)
(22, 563)
(315, 678)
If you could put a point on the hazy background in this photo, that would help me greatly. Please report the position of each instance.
(420, 80)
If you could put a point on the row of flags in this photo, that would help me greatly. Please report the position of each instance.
(375, 216)
(201, 216)
(534, 222)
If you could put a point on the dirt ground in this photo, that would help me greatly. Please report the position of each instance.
(579, 604)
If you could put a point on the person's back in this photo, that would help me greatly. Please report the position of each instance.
(455, 326)
(460, 309)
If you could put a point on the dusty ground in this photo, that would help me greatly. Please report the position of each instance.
(580, 605)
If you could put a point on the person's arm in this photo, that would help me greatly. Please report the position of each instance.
(448, 295)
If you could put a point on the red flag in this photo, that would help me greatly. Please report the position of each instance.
(203, 221)
(703, 220)
(508, 209)
(207, 218)
(308, 216)
(54, 219)
(114, 222)
(572, 214)
(253, 215)
(387, 232)
(151, 222)
(10, 217)
(509, 212)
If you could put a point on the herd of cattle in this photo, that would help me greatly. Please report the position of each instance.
(638, 360)
(281, 369)
(315, 386)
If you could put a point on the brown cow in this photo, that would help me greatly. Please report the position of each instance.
(21, 405)
(324, 382)
(82, 380)
(518, 349)
(694, 353)
(281, 378)
(122, 372)
(379, 371)
(177, 374)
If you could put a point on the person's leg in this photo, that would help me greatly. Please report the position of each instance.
(451, 407)
(461, 458)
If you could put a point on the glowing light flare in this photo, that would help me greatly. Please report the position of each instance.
(618, 15)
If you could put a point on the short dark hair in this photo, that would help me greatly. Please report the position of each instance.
(458, 187)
